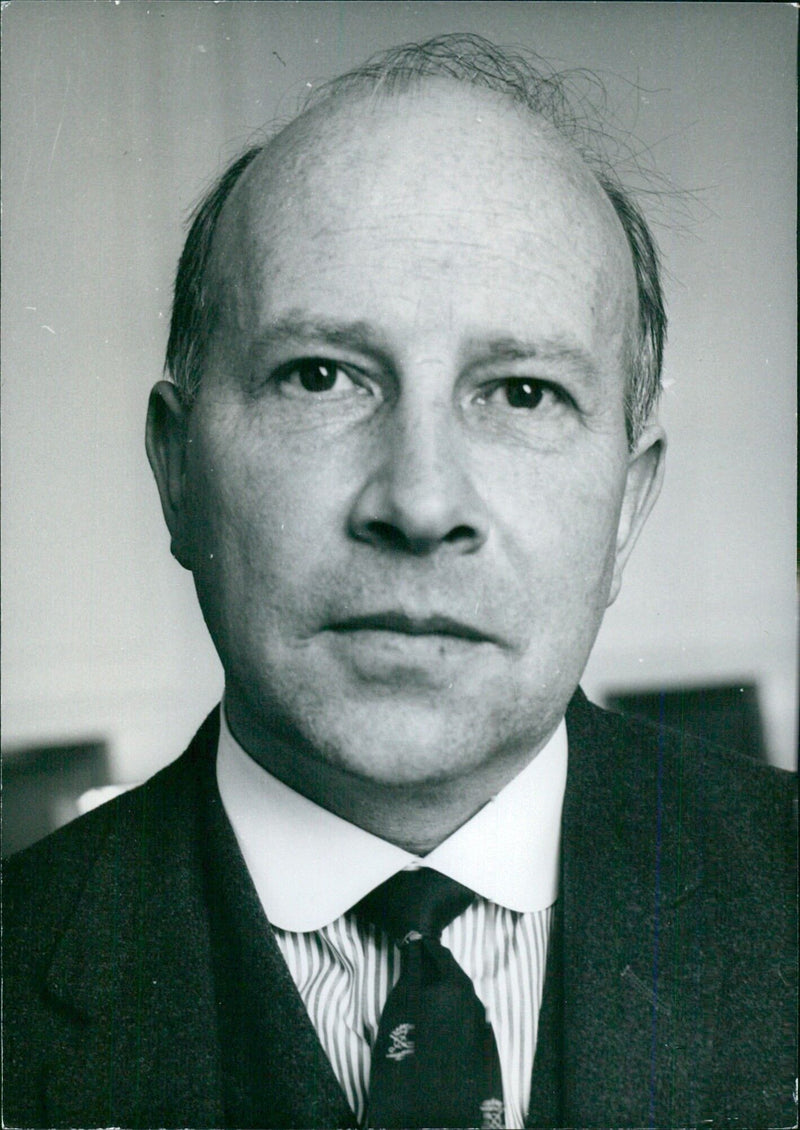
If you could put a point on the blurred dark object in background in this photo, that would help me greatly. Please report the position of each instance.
(42, 786)
(728, 715)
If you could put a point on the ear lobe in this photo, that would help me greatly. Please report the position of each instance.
(165, 441)
(642, 487)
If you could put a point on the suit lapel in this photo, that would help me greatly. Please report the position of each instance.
(622, 970)
(132, 968)
(275, 1070)
(184, 1010)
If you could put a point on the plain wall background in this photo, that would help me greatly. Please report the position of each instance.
(117, 115)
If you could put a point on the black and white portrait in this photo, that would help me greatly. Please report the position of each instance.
(399, 619)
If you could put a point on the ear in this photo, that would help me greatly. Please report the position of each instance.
(165, 440)
(642, 487)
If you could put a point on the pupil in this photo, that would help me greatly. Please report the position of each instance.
(317, 376)
(523, 393)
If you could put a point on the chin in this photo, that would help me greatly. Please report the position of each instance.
(415, 749)
(405, 769)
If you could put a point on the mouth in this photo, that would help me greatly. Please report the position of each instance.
(400, 623)
(402, 652)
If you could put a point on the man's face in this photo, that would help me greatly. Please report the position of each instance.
(402, 481)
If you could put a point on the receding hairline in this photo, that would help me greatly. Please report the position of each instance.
(317, 130)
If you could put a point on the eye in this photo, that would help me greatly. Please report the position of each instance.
(315, 375)
(521, 392)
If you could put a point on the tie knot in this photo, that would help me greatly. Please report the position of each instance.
(415, 902)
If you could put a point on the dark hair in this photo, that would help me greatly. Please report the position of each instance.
(475, 61)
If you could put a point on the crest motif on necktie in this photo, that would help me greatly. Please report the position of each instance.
(492, 1114)
(402, 1044)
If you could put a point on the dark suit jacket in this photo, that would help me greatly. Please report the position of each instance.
(143, 986)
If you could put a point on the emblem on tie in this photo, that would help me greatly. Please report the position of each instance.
(402, 1044)
(492, 1114)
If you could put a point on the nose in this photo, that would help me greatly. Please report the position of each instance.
(420, 497)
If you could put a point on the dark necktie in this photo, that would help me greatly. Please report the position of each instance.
(435, 1060)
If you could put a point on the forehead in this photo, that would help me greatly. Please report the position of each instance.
(443, 203)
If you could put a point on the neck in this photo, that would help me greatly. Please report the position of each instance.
(415, 816)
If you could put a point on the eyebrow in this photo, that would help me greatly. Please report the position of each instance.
(554, 349)
(364, 337)
(357, 335)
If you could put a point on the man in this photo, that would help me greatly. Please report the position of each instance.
(407, 448)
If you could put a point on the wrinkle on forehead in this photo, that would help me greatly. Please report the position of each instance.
(310, 175)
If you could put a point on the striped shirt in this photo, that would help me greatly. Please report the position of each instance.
(344, 974)
(310, 867)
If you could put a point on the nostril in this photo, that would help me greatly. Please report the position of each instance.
(460, 533)
(385, 534)
(389, 536)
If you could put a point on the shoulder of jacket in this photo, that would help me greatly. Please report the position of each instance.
(43, 882)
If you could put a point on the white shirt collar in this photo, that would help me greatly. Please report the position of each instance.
(309, 866)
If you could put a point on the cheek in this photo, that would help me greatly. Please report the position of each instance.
(259, 518)
(559, 517)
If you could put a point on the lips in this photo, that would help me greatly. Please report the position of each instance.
(403, 624)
